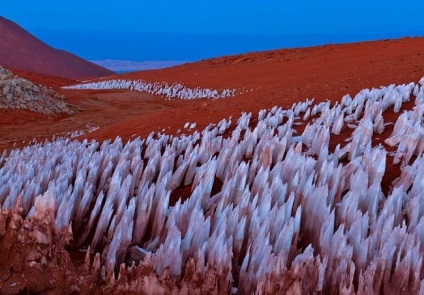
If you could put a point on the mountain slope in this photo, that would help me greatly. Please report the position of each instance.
(20, 50)
(279, 77)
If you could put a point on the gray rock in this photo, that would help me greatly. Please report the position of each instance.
(19, 93)
(6, 89)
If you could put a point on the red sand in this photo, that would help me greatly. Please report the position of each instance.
(276, 77)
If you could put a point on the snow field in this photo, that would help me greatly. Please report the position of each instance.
(170, 91)
(290, 215)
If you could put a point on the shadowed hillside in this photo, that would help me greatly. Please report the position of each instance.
(20, 50)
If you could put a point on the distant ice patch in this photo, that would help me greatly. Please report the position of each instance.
(170, 91)
(133, 66)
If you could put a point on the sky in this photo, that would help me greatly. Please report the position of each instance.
(195, 29)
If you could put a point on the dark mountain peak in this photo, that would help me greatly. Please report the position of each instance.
(21, 50)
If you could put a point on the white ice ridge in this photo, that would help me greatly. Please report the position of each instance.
(276, 210)
(175, 90)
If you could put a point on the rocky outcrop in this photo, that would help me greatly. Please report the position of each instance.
(18, 93)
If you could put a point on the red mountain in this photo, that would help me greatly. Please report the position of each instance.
(21, 50)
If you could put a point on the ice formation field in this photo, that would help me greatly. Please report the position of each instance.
(245, 206)
(175, 90)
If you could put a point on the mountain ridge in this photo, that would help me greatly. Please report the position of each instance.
(21, 50)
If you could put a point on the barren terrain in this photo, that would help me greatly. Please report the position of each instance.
(19, 49)
(278, 77)
(261, 80)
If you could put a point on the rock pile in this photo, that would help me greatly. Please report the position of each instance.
(18, 93)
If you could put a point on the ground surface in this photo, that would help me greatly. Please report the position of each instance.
(270, 78)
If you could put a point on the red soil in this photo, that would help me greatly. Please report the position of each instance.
(279, 77)
(276, 77)
(52, 81)
(20, 50)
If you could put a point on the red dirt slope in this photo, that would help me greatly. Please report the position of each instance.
(278, 77)
(321, 71)
(20, 50)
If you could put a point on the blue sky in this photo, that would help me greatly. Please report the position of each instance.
(217, 16)
(239, 25)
